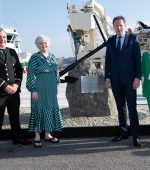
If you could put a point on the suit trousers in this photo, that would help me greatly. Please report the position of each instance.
(125, 97)
(12, 102)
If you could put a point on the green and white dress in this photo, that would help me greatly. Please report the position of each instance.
(43, 78)
(146, 75)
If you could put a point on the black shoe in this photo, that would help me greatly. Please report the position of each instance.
(121, 136)
(22, 142)
(52, 140)
(37, 144)
(136, 142)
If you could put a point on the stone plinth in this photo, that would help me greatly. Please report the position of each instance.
(88, 104)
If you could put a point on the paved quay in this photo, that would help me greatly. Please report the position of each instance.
(77, 154)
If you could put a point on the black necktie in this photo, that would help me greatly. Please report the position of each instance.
(119, 45)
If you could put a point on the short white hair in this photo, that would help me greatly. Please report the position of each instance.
(42, 38)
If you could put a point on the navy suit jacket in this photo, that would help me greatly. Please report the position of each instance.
(126, 66)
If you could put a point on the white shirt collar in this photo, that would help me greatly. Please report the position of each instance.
(122, 36)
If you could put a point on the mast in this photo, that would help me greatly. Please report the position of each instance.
(1, 14)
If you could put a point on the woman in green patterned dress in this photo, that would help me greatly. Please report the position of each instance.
(42, 81)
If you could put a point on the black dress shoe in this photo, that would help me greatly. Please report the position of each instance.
(22, 142)
(121, 136)
(136, 142)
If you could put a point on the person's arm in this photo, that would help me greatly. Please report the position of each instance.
(18, 69)
(3, 84)
(57, 68)
(137, 58)
(108, 66)
(31, 75)
(58, 77)
(143, 66)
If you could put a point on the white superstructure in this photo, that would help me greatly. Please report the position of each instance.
(13, 40)
(85, 31)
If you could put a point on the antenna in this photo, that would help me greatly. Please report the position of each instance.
(1, 13)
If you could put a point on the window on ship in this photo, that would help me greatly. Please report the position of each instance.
(10, 39)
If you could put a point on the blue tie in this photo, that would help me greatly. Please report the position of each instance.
(119, 45)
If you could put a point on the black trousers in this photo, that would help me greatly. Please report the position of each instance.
(125, 95)
(12, 102)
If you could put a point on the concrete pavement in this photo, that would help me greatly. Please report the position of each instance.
(77, 154)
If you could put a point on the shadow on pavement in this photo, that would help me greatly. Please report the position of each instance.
(73, 146)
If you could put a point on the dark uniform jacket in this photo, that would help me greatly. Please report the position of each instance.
(10, 69)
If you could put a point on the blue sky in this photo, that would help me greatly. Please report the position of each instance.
(50, 17)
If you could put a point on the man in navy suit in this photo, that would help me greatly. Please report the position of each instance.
(123, 74)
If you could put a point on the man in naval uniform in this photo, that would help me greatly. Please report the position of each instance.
(10, 82)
